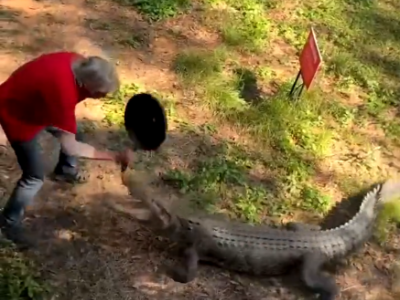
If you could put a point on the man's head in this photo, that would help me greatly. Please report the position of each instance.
(96, 75)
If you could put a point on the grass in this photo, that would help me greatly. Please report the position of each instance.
(158, 10)
(114, 104)
(246, 27)
(294, 131)
(299, 135)
(19, 276)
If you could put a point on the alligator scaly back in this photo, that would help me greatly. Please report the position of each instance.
(335, 242)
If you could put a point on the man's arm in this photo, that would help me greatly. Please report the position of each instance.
(72, 147)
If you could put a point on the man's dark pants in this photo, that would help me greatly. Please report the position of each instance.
(30, 159)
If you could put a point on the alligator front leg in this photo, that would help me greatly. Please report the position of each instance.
(187, 272)
(294, 226)
(314, 279)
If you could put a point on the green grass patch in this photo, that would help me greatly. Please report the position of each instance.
(277, 121)
(388, 219)
(19, 276)
(204, 71)
(158, 10)
(223, 183)
(242, 24)
(247, 30)
(196, 67)
(114, 104)
(289, 126)
(356, 48)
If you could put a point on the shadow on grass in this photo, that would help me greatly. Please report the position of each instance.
(248, 86)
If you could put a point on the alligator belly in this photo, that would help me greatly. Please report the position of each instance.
(253, 265)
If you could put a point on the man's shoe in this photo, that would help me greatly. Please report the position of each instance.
(16, 234)
(70, 175)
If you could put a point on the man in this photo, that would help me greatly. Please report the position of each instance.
(42, 95)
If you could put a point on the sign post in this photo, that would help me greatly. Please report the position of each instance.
(310, 62)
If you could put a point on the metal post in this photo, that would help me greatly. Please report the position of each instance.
(295, 83)
(293, 92)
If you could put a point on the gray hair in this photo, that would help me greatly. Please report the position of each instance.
(96, 74)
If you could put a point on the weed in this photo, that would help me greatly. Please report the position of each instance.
(313, 200)
(114, 105)
(389, 217)
(200, 67)
(211, 181)
(344, 115)
(249, 204)
(158, 10)
(291, 34)
(265, 73)
(207, 175)
(222, 183)
(19, 278)
(247, 30)
(223, 96)
(247, 84)
(95, 24)
(134, 41)
(243, 24)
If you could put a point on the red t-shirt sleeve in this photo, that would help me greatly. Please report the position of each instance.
(61, 98)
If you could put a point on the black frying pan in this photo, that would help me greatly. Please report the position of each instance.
(145, 122)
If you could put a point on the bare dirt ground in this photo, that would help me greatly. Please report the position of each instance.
(87, 251)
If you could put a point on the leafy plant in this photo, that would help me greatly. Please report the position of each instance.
(19, 276)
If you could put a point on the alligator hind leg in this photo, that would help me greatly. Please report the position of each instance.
(314, 279)
(294, 226)
(187, 272)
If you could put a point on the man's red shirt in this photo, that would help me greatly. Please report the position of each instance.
(41, 93)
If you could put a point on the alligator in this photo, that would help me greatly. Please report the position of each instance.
(260, 250)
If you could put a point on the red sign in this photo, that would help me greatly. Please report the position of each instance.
(310, 59)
